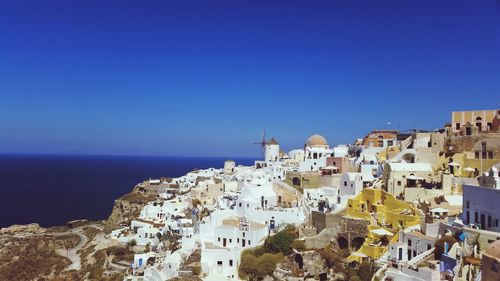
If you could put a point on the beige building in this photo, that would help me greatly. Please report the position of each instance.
(208, 193)
(303, 180)
(413, 181)
(490, 265)
(472, 122)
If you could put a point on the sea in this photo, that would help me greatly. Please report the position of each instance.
(54, 189)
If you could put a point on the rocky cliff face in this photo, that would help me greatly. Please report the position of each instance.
(126, 208)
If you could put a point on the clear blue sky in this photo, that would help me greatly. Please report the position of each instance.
(206, 77)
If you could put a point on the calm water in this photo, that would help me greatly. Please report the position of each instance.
(53, 189)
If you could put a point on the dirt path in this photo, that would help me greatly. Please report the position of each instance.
(72, 254)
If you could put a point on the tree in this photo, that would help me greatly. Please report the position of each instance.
(132, 243)
(196, 202)
(248, 265)
(280, 242)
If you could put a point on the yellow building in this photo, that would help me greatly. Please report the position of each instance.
(472, 122)
(387, 215)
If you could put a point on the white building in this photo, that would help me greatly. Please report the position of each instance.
(351, 184)
(223, 236)
(272, 151)
(316, 151)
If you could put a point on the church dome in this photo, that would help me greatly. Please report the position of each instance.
(494, 250)
(316, 140)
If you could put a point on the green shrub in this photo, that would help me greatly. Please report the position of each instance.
(256, 268)
(331, 258)
(248, 265)
(280, 242)
(132, 243)
(299, 245)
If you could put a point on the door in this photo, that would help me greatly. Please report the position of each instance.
(243, 242)
(219, 267)
(483, 221)
(224, 242)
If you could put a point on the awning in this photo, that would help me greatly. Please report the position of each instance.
(412, 177)
(439, 210)
(331, 168)
(469, 169)
(382, 232)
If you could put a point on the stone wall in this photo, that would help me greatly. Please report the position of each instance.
(322, 220)
(351, 228)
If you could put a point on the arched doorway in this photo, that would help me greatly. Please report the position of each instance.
(409, 158)
(357, 243)
(343, 243)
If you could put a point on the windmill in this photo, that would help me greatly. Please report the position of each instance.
(262, 143)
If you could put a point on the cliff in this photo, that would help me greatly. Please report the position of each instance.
(126, 208)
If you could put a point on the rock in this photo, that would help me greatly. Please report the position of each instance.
(126, 208)
(32, 228)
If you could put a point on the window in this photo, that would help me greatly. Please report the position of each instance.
(230, 240)
(218, 239)
(237, 240)
(249, 242)
(219, 263)
(409, 242)
(457, 126)
(476, 217)
(243, 234)
(399, 183)
(230, 262)
(239, 204)
(468, 204)
(390, 143)
(494, 266)
(345, 183)
(429, 247)
(380, 143)
(476, 154)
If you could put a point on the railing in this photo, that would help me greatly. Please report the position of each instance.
(419, 258)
